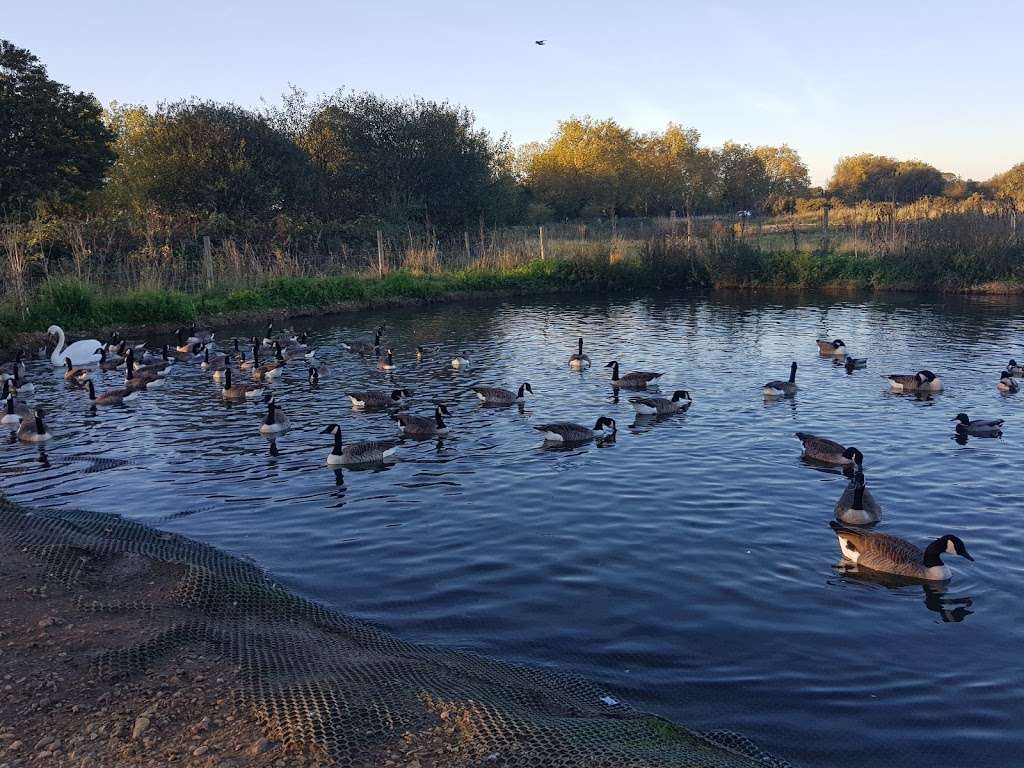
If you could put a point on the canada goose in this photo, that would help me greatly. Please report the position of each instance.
(387, 363)
(835, 348)
(377, 399)
(1014, 369)
(236, 354)
(922, 381)
(185, 356)
(152, 358)
(276, 420)
(978, 427)
(33, 430)
(75, 375)
(829, 451)
(152, 371)
(318, 372)
(293, 351)
(185, 345)
(568, 432)
(21, 386)
(248, 365)
(497, 396)
(631, 380)
(855, 363)
(662, 406)
(1007, 383)
(238, 392)
(80, 353)
(107, 361)
(784, 388)
(112, 396)
(889, 554)
(857, 506)
(368, 452)
(135, 380)
(200, 335)
(7, 370)
(579, 361)
(460, 361)
(423, 426)
(15, 411)
(214, 360)
(269, 371)
(362, 348)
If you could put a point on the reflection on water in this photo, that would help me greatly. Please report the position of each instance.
(686, 565)
(937, 597)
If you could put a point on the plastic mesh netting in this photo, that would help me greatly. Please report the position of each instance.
(317, 678)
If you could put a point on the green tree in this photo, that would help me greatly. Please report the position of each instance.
(786, 177)
(677, 173)
(54, 146)
(743, 177)
(875, 177)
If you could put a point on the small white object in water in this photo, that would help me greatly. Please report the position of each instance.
(610, 700)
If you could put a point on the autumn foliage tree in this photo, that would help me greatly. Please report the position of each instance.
(880, 178)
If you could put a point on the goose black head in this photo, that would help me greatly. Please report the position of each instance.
(612, 364)
(962, 418)
(1012, 363)
(604, 421)
(925, 376)
(525, 386)
(443, 410)
(837, 343)
(398, 394)
(1005, 375)
(314, 375)
(945, 545)
(680, 394)
(330, 429)
(854, 455)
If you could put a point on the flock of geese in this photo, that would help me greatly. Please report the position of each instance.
(243, 376)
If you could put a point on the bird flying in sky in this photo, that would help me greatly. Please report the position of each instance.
(540, 42)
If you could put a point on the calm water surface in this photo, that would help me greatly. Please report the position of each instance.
(688, 565)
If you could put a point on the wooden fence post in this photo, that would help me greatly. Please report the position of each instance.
(541, 232)
(380, 253)
(208, 260)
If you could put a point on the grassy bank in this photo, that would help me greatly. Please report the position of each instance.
(611, 266)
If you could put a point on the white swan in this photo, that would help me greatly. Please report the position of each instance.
(83, 352)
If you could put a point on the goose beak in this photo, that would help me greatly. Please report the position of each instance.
(967, 555)
(327, 430)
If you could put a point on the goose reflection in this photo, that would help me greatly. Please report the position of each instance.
(951, 609)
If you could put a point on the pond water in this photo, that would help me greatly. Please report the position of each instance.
(688, 565)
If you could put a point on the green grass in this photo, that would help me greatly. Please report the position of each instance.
(593, 267)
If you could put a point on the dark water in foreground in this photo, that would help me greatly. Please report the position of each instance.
(688, 565)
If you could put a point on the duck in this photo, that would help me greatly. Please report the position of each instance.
(662, 406)
(33, 430)
(633, 379)
(80, 353)
(238, 392)
(579, 361)
(498, 396)
(460, 361)
(367, 452)
(276, 420)
(922, 381)
(7, 370)
(75, 375)
(978, 427)
(836, 347)
(570, 432)
(111, 396)
(317, 372)
(377, 399)
(782, 388)
(827, 451)
(857, 506)
(890, 554)
(15, 411)
(424, 426)
(363, 348)
(1007, 383)
(1014, 369)
(855, 363)
(387, 363)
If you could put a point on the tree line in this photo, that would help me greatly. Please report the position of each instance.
(360, 162)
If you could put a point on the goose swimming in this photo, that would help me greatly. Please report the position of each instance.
(367, 452)
(570, 432)
(890, 554)
(836, 347)
(363, 348)
(855, 363)
(377, 399)
(662, 406)
(239, 392)
(633, 379)
(15, 411)
(80, 353)
(829, 451)
(111, 396)
(1007, 383)
(498, 396)
(423, 426)
(978, 427)
(276, 420)
(579, 361)
(782, 388)
(33, 430)
(387, 363)
(857, 506)
(75, 375)
(922, 381)
(16, 366)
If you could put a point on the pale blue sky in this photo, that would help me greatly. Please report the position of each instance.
(939, 81)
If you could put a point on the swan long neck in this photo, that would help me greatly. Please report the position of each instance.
(60, 344)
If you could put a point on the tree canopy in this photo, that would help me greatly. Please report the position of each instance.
(876, 177)
(54, 146)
